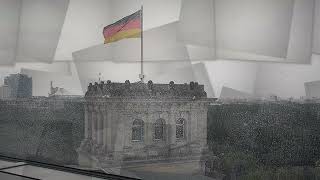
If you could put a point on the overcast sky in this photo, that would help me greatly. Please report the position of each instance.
(246, 32)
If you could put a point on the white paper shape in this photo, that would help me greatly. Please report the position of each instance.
(41, 82)
(238, 75)
(85, 20)
(312, 89)
(155, 12)
(9, 23)
(316, 25)
(63, 68)
(180, 72)
(197, 23)
(286, 80)
(299, 48)
(255, 26)
(200, 53)
(40, 26)
(159, 45)
(83, 26)
(300, 45)
(202, 76)
(229, 93)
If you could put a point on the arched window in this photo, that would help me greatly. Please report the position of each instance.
(180, 125)
(159, 129)
(137, 130)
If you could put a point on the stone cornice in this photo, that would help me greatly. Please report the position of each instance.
(150, 90)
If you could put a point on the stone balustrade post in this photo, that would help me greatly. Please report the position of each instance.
(87, 123)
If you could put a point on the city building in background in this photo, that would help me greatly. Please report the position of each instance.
(4, 92)
(19, 85)
(312, 89)
(57, 91)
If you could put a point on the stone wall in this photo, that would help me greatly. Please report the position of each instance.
(114, 117)
(41, 129)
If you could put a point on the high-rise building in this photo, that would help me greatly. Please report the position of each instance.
(4, 92)
(312, 89)
(19, 85)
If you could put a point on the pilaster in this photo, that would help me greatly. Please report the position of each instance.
(94, 125)
(99, 126)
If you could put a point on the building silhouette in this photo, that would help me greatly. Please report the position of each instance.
(144, 121)
(4, 92)
(19, 85)
(312, 89)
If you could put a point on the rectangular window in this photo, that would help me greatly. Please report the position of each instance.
(179, 132)
(158, 133)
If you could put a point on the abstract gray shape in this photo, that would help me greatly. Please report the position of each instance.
(159, 45)
(200, 53)
(238, 75)
(83, 26)
(158, 72)
(254, 26)
(316, 31)
(99, 52)
(179, 75)
(41, 22)
(197, 23)
(156, 13)
(44, 173)
(312, 89)
(285, 80)
(61, 67)
(6, 164)
(229, 93)
(85, 20)
(9, 23)
(245, 56)
(300, 42)
(41, 82)
(202, 76)
(123, 8)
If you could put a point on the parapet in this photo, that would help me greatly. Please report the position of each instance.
(149, 90)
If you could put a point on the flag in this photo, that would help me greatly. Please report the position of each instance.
(127, 27)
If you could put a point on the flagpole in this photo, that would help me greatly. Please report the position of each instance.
(141, 76)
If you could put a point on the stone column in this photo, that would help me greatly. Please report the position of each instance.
(148, 133)
(172, 127)
(168, 129)
(204, 125)
(87, 123)
(108, 135)
(94, 125)
(99, 126)
(193, 125)
(105, 126)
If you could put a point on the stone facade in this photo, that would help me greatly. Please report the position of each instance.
(42, 129)
(138, 121)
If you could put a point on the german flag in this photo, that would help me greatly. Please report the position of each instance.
(127, 27)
